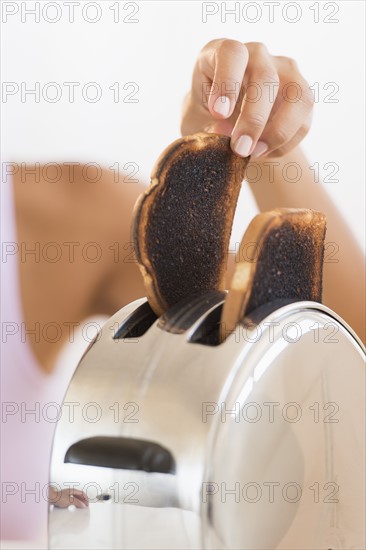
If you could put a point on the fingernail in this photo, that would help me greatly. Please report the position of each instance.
(243, 146)
(259, 149)
(222, 106)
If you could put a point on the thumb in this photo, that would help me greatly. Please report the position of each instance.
(224, 127)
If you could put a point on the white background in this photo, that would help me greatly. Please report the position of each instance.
(158, 53)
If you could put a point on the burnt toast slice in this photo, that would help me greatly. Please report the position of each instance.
(280, 257)
(182, 222)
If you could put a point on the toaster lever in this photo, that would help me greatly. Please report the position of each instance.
(124, 453)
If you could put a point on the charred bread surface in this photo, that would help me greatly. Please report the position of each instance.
(280, 257)
(182, 223)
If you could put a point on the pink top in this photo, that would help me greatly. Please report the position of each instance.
(27, 393)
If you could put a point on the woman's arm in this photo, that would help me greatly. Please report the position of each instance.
(265, 105)
(344, 265)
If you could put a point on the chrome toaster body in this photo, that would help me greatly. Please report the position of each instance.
(255, 443)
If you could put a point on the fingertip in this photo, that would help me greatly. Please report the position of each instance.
(260, 149)
(242, 145)
(222, 107)
(80, 504)
(223, 127)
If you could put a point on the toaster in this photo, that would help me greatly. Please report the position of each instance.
(180, 441)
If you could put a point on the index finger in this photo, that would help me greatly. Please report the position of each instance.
(223, 63)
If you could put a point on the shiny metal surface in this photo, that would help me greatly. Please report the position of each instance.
(266, 432)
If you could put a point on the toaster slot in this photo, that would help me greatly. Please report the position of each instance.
(137, 323)
(180, 317)
(124, 453)
(208, 331)
(256, 316)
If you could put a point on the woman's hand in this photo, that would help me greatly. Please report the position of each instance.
(240, 90)
(67, 497)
